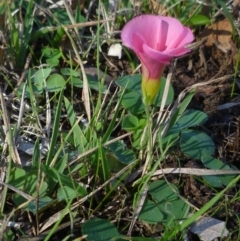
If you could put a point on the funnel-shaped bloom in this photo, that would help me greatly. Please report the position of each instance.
(155, 40)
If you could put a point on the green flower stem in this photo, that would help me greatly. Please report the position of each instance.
(149, 157)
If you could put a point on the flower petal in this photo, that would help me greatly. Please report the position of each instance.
(161, 57)
(150, 27)
(156, 40)
(181, 38)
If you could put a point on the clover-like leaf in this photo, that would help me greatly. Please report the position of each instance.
(196, 144)
(99, 230)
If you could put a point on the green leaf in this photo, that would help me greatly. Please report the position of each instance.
(168, 202)
(138, 143)
(130, 123)
(105, 168)
(9, 235)
(46, 52)
(130, 82)
(123, 155)
(99, 230)
(158, 99)
(58, 37)
(132, 99)
(52, 173)
(214, 181)
(92, 83)
(3, 7)
(215, 164)
(174, 211)
(161, 191)
(36, 79)
(52, 55)
(17, 177)
(39, 76)
(32, 182)
(25, 35)
(150, 213)
(63, 17)
(189, 119)
(70, 72)
(36, 154)
(55, 131)
(43, 203)
(80, 140)
(170, 139)
(53, 61)
(112, 123)
(198, 20)
(26, 181)
(55, 83)
(181, 108)
(226, 179)
(196, 144)
(60, 166)
(66, 193)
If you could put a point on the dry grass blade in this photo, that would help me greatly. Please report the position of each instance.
(21, 111)
(195, 171)
(70, 15)
(149, 146)
(77, 25)
(178, 170)
(23, 194)
(48, 114)
(105, 99)
(85, 91)
(138, 209)
(22, 78)
(11, 144)
(164, 114)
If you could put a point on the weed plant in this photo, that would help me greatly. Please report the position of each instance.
(83, 158)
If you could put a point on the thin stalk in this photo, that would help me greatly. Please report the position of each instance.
(235, 74)
(98, 41)
(148, 163)
(4, 195)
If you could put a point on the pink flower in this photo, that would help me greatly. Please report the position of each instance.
(156, 40)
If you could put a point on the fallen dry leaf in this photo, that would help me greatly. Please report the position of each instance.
(208, 228)
(219, 33)
(157, 8)
(74, 4)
